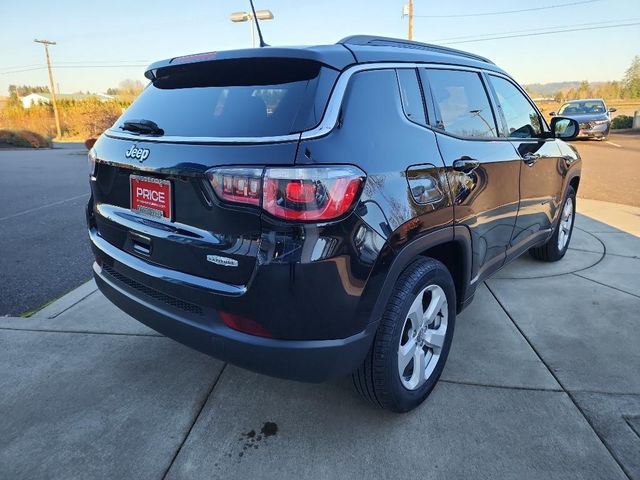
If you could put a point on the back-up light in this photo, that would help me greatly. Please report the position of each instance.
(291, 193)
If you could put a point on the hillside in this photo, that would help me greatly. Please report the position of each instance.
(549, 89)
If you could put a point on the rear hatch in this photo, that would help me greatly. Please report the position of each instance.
(151, 197)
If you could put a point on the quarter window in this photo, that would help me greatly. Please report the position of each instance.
(411, 96)
(522, 119)
(462, 103)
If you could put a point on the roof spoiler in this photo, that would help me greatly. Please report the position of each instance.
(328, 55)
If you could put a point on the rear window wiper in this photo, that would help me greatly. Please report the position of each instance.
(142, 126)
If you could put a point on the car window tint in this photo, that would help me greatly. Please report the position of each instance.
(411, 95)
(463, 104)
(583, 107)
(235, 98)
(522, 119)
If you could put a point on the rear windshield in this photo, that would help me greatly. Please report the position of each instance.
(255, 97)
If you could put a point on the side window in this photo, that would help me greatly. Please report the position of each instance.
(411, 95)
(522, 119)
(462, 102)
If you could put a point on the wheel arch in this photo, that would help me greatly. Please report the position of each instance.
(575, 182)
(449, 245)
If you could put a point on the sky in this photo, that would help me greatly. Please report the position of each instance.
(101, 43)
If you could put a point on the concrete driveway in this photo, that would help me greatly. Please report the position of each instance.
(543, 382)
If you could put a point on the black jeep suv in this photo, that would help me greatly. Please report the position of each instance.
(314, 212)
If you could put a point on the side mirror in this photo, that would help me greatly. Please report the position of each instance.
(564, 128)
(552, 114)
(611, 110)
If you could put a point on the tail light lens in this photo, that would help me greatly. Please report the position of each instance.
(237, 185)
(311, 194)
(302, 194)
(91, 157)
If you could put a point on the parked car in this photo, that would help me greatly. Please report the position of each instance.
(315, 212)
(592, 114)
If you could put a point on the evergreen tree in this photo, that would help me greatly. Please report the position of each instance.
(631, 79)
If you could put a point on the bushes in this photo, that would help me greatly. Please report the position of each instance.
(89, 118)
(79, 119)
(23, 138)
(37, 119)
(622, 121)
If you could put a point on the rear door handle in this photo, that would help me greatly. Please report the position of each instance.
(465, 165)
(531, 158)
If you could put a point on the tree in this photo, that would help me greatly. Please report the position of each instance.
(23, 90)
(127, 88)
(14, 100)
(631, 80)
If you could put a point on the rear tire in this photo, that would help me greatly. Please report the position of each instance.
(557, 245)
(413, 339)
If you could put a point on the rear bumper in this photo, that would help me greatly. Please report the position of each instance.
(200, 327)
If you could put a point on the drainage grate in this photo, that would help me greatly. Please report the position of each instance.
(153, 293)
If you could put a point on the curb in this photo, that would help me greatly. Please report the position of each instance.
(67, 301)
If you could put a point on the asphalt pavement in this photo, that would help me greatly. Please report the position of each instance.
(542, 383)
(611, 169)
(43, 240)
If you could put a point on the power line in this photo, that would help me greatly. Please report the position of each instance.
(76, 66)
(541, 33)
(71, 62)
(20, 66)
(539, 29)
(507, 11)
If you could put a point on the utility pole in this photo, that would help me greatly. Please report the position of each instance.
(46, 44)
(410, 34)
(407, 11)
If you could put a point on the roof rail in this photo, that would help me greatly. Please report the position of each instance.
(396, 42)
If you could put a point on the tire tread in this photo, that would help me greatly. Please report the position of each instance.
(548, 252)
(370, 378)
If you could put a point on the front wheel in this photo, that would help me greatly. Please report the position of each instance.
(557, 245)
(413, 339)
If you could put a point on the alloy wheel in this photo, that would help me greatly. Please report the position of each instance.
(566, 221)
(423, 336)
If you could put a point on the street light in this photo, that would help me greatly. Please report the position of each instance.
(239, 17)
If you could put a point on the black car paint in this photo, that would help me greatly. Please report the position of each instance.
(319, 311)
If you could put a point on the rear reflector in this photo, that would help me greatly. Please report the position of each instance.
(294, 193)
(242, 324)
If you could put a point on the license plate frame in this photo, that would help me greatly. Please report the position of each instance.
(159, 206)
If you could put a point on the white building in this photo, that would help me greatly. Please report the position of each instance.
(40, 98)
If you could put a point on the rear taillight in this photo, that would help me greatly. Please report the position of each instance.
(311, 194)
(237, 185)
(302, 194)
(91, 157)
